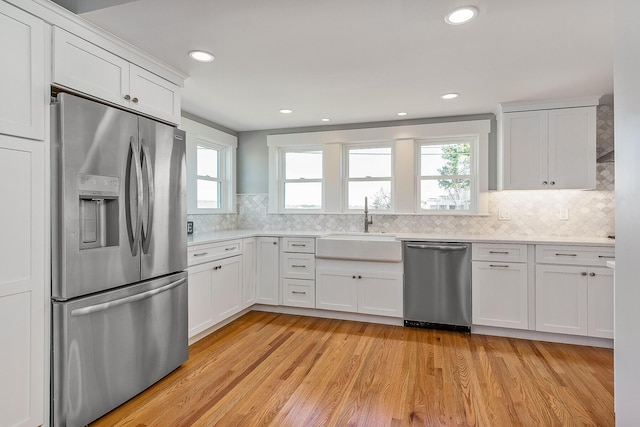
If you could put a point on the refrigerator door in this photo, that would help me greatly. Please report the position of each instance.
(164, 232)
(97, 197)
(109, 347)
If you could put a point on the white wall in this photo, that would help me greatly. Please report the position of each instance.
(627, 287)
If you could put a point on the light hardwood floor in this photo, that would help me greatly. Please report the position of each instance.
(284, 370)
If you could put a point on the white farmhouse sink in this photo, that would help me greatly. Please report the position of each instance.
(360, 247)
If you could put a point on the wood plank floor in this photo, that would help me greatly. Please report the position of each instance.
(284, 370)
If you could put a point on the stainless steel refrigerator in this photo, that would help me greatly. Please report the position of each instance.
(119, 289)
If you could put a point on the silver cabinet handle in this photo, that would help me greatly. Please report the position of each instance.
(545, 182)
(606, 256)
(592, 274)
(584, 273)
(299, 245)
(125, 300)
(201, 254)
(230, 249)
(298, 266)
(298, 292)
(438, 247)
(566, 254)
(135, 100)
(498, 265)
(127, 97)
(499, 252)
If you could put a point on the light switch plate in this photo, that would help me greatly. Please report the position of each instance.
(563, 215)
(504, 215)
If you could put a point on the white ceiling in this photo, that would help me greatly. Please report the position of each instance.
(366, 60)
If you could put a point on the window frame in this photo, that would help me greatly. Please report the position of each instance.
(346, 180)
(198, 134)
(473, 176)
(282, 181)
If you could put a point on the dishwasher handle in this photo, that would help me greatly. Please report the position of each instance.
(438, 247)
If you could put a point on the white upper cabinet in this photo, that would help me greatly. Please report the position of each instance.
(549, 149)
(21, 73)
(85, 67)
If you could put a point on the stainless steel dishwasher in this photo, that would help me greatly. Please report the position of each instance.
(437, 285)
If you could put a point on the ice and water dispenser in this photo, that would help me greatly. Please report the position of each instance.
(98, 197)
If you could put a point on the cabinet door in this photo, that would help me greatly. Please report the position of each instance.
(380, 293)
(200, 298)
(525, 150)
(85, 67)
(601, 299)
(152, 95)
(22, 281)
(336, 290)
(21, 73)
(248, 272)
(499, 294)
(268, 271)
(561, 299)
(572, 148)
(226, 282)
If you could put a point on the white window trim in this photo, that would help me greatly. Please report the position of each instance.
(473, 140)
(281, 177)
(346, 179)
(405, 181)
(199, 134)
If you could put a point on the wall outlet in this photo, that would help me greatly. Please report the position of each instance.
(504, 215)
(189, 227)
(563, 215)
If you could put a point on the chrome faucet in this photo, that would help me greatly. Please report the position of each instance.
(367, 221)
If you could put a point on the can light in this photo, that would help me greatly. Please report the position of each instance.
(201, 56)
(462, 15)
(286, 111)
(450, 95)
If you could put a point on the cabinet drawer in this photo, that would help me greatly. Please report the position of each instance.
(574, 255)
(299, 244)
(499, 252)
(299, 293)
(212, 251)
(298, 266)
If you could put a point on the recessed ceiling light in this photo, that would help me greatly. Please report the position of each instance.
(450, 95)
(326, 120)
(286, 111)
(402, 114)
(201, 55)
(461, 15)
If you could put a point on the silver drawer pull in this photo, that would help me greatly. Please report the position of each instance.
(499, 252)
(298, 266)
(230, 249)
(498, 265)
(201, 254)
(606, 256)
(566, 254)
(299, 245)
(298, 292)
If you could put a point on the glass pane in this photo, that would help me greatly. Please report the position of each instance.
(303, 165)
(445, 159)
(445, 194)
(207, 159)
(208, 194)
(303, 195)
(377, 192)
(373, 162)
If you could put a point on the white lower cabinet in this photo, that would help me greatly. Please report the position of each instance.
(298, 293)
(249, 266)
(500, 294)
(215, 292)
(268, 274)
(359, 287)
(575, 299)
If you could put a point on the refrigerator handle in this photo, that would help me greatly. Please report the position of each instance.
(146, 236)
(134, 236)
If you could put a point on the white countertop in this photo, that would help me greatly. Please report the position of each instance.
(217, 236)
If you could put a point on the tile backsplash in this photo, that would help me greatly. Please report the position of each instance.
(532, 213)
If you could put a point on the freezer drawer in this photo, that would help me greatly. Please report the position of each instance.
(111, 346)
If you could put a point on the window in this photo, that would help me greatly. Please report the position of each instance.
(369, 171)
(302, 179)
(208, 173)
(210, 169)
(446, 175)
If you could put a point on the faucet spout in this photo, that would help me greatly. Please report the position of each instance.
(367, 221)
